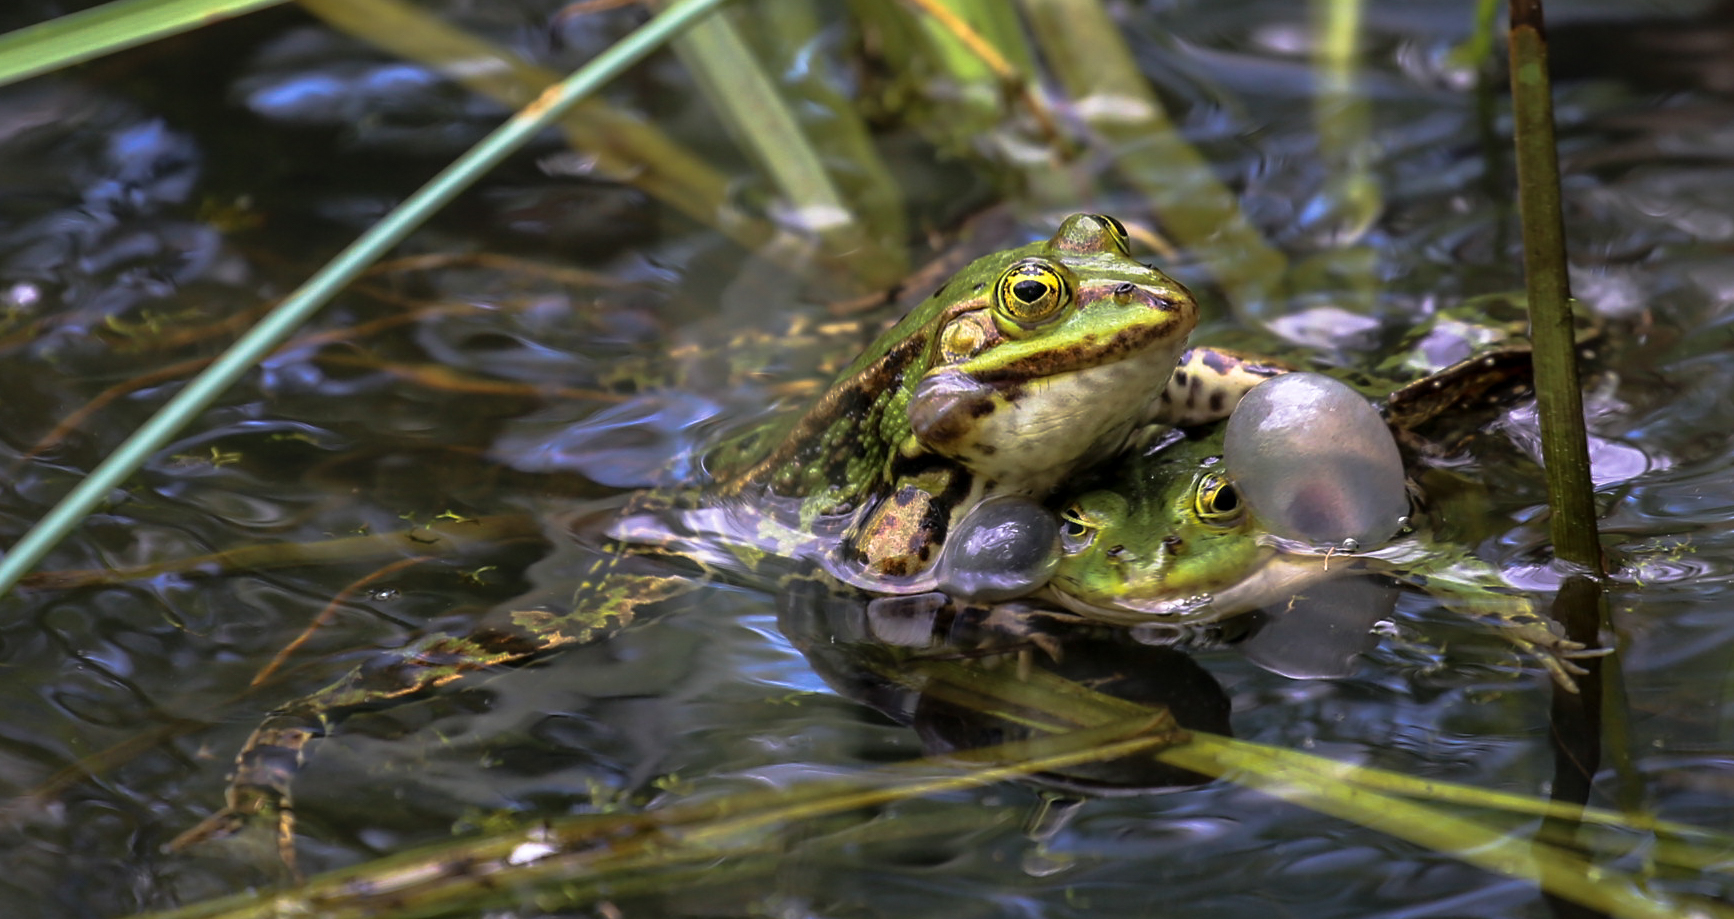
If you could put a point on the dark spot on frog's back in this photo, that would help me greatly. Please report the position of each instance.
(941, 291)
(1179, 378)
(1217, 399)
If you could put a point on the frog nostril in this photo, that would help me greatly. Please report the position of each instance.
(1125, 288)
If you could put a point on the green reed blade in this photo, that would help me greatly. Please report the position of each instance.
(1085, 49)
(1475, 50)
(625, 148)
(1555, 870)
(1559, 401)
(1346, 269)
(745, 96)
(112, 27)
(953, 70)
(300, 305)
(1047, 702)
(783, 33)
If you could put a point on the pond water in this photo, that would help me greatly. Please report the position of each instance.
(564, 338)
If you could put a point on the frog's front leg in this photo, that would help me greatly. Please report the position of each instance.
(895, 544)
(1208, 384)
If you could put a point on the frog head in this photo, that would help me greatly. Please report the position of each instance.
(1153, 548)
(1045, 357)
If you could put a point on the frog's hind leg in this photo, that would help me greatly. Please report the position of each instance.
(597, 596)
(265, 769)
(261, 788)
(1208, 385)
(1473, 588)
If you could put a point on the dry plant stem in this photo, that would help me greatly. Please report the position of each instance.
(494, 261)
(1565, 446)
(319, 621)
(587, 7)
(414, 312)
(445, 379)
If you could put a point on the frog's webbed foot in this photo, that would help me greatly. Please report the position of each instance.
(1561, 661)
(1541, 639)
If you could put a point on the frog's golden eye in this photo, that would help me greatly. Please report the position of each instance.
(1217, 501)
(1116, 232)
(1031, 292)
(1076, 529)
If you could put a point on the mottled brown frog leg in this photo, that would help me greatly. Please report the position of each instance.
(265, 769)
(607, 597)
(1208, 385)
(901, 537)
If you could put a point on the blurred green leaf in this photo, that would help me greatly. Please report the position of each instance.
(69, 40)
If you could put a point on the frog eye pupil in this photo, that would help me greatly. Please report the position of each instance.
(1031, 294)
(1073, 529)
(1217, 499)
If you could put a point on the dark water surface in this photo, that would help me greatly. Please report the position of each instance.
(152, 201)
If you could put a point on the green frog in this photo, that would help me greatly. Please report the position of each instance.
(993, 385)
(1170, 543)
(1024, 367)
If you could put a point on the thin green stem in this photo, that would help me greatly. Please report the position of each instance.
(300, 305)
(1565, 446)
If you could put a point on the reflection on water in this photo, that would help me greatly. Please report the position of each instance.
(150, 203)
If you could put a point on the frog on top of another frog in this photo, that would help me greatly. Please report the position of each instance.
(1026, 366)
